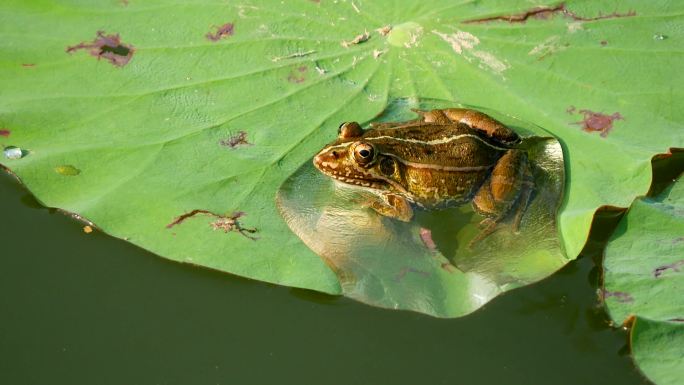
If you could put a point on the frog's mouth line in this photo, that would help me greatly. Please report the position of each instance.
(351, 180)
(381, 184)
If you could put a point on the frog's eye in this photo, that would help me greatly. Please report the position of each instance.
(349, 130)
(363, 153)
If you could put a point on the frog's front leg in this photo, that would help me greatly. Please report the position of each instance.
(508, 188)
(393, 206)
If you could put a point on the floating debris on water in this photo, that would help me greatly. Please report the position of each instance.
(67, 170)
(12, 152)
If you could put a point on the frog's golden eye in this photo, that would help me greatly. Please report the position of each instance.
(364, 153)
(349, 130)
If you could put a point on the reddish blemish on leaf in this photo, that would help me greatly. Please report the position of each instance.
(672, 266)
(236, 140)
(598, 121)
(225, 30)
(545, 13)
(426, 237)
(619, 296)
(297, 75)
(227, 223)
(108, 47)
(5, 133)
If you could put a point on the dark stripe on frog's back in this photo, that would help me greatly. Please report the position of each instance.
(473, 150)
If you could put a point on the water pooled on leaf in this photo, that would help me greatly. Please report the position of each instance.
(12, 152)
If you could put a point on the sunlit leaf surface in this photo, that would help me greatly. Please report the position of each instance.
(172, 125)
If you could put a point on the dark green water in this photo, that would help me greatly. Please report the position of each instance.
(88, 309)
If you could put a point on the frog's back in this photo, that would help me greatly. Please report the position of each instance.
(455, 145)
(441, 164)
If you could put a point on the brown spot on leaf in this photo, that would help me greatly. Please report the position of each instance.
(108, 47)
(4, 132)
(298, 75)
(619, 296)
(672, 266)
(28, 65)
(225, 30)
(603, 43)
(227, 223)
(570, 110)
(384, 31)
(598, 121)
(236, 140)
(358, 39)
(545, 13)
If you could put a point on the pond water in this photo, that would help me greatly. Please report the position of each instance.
(86, 308)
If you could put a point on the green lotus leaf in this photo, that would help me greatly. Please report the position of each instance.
(644, 277)
(172, 125)
(658, 349)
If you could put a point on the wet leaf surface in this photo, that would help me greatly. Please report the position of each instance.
(147, 112)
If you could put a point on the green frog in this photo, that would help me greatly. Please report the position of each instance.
(445, 158)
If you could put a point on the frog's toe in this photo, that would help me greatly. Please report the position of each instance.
(486, 223)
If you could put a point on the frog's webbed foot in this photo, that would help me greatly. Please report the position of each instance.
(508, 189)
(393, 206)
(474, 119)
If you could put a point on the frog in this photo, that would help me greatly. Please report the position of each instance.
(444, 158)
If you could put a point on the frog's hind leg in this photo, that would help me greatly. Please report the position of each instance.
(474, 119)
(508, 188)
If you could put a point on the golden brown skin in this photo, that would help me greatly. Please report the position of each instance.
(444, 158)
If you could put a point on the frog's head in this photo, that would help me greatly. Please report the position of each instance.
(354, 160)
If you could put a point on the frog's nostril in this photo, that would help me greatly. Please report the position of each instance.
(335, 154)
